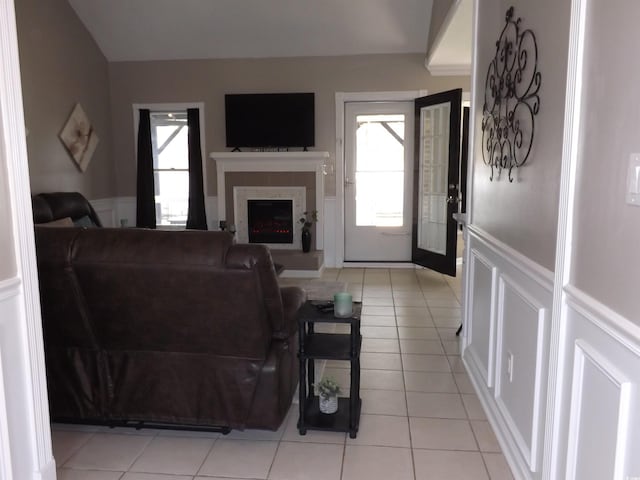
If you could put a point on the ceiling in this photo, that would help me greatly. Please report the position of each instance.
(451, 50)
(189, 29)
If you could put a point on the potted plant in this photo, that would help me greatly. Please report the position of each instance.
(307, 221)
(328, 390)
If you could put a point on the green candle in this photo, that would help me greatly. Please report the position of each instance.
(342, 304)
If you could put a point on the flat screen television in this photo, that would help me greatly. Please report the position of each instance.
(270, 120)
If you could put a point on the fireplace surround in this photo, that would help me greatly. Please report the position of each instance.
(272, 171)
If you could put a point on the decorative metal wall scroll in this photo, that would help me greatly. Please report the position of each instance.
(511, 99)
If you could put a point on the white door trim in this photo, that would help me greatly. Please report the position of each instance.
(24, 386)
(341, 99)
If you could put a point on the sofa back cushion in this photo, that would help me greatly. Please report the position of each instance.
(168, 291)
(57, 205)
(65, 318)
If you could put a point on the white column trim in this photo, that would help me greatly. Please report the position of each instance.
(13, 143)
(566, 208)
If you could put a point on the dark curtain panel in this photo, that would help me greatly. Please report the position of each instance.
(145, 198)
(196, 216)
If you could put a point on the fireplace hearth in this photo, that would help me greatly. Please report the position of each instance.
(270, 221)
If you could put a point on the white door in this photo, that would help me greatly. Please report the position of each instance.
(378, 181)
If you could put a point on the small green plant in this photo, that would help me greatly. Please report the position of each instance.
(327, 387)
(309, 219)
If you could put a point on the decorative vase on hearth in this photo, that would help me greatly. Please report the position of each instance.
(306, 241)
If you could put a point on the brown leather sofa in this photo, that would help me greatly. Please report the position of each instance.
(158, 328)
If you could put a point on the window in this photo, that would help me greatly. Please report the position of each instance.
(169, 141)
(169, 132)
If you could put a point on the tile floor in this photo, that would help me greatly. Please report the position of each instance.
(420, 418)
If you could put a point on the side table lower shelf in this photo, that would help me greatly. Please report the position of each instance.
(339, 421)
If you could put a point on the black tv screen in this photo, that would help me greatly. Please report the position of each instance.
(270, 120)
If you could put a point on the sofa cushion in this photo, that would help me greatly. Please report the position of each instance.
(61, 222)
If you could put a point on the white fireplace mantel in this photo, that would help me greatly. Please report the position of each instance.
(273, 162)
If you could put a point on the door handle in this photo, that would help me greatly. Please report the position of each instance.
(348, 182)
(452, 199)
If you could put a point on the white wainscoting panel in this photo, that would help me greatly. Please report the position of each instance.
(599, 435)
(481, 332)
(522, 343)
(510, 300)
(106, 210)
(113, 211)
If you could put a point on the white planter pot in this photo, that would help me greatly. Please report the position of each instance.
(328, 404)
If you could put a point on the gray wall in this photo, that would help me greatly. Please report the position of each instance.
(524, 214)
(606, 228)
(209, 80)
(61, 65)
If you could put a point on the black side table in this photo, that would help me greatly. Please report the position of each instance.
(328, 346)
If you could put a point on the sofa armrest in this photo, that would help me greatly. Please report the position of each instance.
(292, 300)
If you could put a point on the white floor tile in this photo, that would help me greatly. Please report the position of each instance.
(380, 361)
(415, 322)
(430, 382)
(418, 333)
(381, 345)
(487, 440)
(66, 474)
(497, 466)
(109, 452)
(154, 476)
(463, 382)
(378, 320)
(307, 461)
(381, 379)
(474, 407)
(67, 442)
(424, 347)
(292, 434)
(377, 463)
(383, 431)
(383, 402)
(435, 405)
(447, 465)
(425, 363)
(240, 458)
(173, 455)
(368, 331)
(442, 434)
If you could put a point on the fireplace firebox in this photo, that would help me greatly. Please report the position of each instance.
(270, 221)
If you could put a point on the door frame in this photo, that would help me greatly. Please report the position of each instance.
(341, 99)
(25, 434)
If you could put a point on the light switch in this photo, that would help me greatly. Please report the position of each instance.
(633, 180)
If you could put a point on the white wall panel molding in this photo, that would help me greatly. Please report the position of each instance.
(533, 270)
(598, 412)
(516, 295)
(521, 366)
(600, 421)
(480, 334)
(621, 329)
(106, 209)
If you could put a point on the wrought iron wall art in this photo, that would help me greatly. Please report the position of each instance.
(511, 99)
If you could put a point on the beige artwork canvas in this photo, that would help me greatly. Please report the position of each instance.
(79, 137)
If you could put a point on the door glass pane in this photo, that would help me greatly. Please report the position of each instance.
(434, 173)
(379, 174)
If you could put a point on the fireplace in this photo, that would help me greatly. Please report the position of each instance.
(267, 205)
(270, 221)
